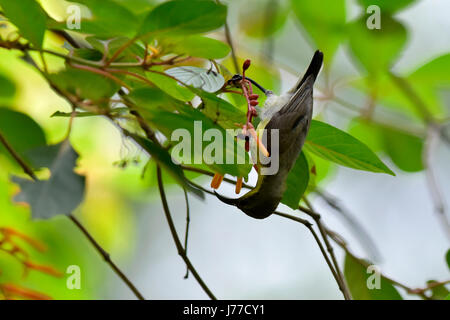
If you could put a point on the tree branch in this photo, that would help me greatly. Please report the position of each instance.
(107, 258)
(188, 220)
(340, 277)
(299, 220)
(175, 237)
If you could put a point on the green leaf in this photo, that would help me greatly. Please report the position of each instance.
(29, 17)
(377, 49)
(404, 149)
(137, 6)
(297, 182)
(128, 55)
(262, 19)
(194, 123)
(357, 277)
(108, 19)
(324, 21)
(338, 146)
(84, 84)
(199, 78)
(149, 98)
(163, 158)
(21, 131)
(170, 86)
(387, 5)
(220, 111)
(88, 54)
(63, 192)
(184, 17)
(7, 88)
(439, 292)
(198, 46)
(429, 81)
(319, 169)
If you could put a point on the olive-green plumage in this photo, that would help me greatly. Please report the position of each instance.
(291, 114)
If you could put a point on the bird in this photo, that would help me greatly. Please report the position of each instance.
(291, 114)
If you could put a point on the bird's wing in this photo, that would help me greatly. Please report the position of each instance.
(293, 115)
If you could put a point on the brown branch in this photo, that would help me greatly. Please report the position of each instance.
(339, 276)
(294, 218)
(107, 258)
(434, 188)
(175, 237)
(319, 243)
(16, 157)
(354, 225)
(188, 221)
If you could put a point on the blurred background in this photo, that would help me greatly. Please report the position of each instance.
(239, 257)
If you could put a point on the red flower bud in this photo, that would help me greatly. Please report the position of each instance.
(246, 64)
(254, 102)
(253, 96)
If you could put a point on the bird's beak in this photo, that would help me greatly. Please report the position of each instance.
(238, 77)
(232, 202)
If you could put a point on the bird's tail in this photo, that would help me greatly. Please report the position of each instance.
(313, 69)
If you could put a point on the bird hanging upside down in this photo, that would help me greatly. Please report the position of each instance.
(291, 115)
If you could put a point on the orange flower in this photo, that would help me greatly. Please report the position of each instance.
(34, 243)
(41, 268)
(11, 290)
(238, 185)
(216, 181)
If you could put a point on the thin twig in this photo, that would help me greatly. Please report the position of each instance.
(107, 258)
(319, 243)
(294, 218)
(17, 157)
(340, 277)
(343, 244)
(353, 223)
(175, 237)
(435, 191)
(188, 221)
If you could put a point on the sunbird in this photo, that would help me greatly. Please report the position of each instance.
(291, 114)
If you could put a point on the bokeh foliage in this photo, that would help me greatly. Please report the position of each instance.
(136, 56)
